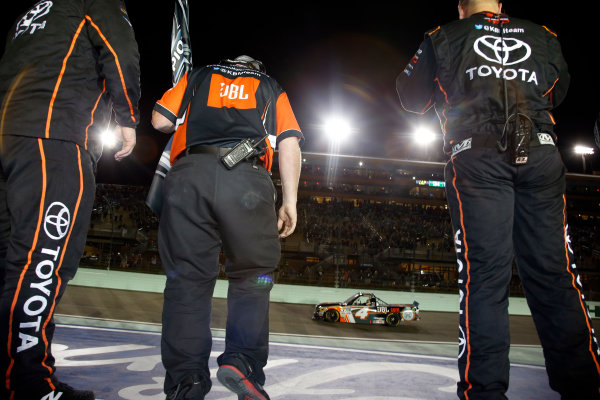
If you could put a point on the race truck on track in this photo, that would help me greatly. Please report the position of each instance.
(366, 308)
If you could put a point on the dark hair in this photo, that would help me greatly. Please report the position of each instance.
(247, 61)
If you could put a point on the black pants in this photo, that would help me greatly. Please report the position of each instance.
(502, 213)
(206, 206)
(46, 195)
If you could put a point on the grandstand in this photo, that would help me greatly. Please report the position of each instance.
(362, 222)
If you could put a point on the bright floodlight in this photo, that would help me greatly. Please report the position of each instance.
(424, 136)
(584, 150)
(108, 138)
(337, 128)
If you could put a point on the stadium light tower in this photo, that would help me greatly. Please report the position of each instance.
(583, 150)
(424, 136)
(337, 129)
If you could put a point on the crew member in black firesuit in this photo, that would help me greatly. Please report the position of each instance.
(208, 204)
(65, 62)
(493, 80)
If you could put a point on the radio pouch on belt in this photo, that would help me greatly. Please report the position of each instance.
(244, 150)
(519, 139)
(516, 135)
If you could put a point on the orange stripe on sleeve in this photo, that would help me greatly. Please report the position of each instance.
(435, 30)
(442, 89)
(60, 76)
(549, 31)
(93, 111)
(26, 267)
(118, 66)
(437, 80)
(550, 90)
(426, 106)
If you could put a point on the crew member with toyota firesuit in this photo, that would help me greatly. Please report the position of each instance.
(68, 65)
(493, 80)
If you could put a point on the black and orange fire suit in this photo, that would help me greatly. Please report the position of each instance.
(477, 72)
(67, 66)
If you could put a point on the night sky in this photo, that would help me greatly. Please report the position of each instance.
(336, 57)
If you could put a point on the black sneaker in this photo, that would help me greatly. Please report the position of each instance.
(192, 387)
(236, 375)
(66, 392)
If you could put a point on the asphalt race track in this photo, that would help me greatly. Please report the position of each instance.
(109, 341)
(285, 318)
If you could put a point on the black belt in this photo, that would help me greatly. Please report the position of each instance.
(215, 150)
(202, 149)
(489, 141)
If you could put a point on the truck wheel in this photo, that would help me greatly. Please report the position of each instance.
(332, 316)
(392, 319)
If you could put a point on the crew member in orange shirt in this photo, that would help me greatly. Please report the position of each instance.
(209, 203)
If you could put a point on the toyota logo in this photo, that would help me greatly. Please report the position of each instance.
(57, 220)
(462, 341)
(507, 51)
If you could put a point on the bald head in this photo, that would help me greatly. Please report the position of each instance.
(466, 8)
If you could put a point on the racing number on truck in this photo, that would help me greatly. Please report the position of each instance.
(363, 313)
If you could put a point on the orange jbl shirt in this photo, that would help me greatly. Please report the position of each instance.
(230, 103)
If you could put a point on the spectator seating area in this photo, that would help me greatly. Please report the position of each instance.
(343, 243)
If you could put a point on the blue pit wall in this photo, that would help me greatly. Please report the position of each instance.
(297, 294)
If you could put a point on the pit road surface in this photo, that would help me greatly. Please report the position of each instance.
(285, 318)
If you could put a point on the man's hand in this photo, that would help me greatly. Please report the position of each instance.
(286, 221)
(289, 171)
(127, 135)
